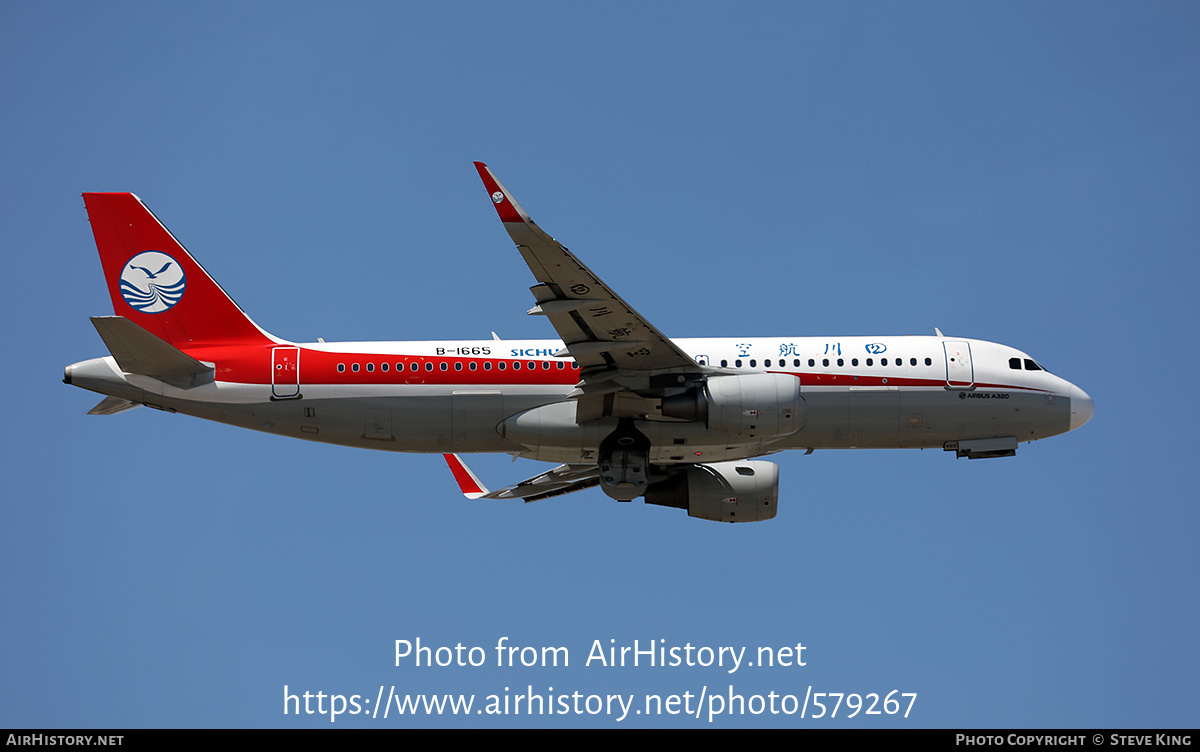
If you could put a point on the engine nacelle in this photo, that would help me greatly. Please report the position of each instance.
(737, 491)
(753, 405)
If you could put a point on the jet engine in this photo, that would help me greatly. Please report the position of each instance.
(756, 405)
(737, 491)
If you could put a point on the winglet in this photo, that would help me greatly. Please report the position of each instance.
(506, 206)
(467, 482)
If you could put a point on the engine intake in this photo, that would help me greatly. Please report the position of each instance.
(737, 491)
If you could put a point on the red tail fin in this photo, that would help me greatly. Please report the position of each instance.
(156, 283)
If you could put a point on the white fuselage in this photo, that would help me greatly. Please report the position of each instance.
(512, 396)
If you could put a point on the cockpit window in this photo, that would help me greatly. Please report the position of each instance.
(1031, 366)
(1014, 363)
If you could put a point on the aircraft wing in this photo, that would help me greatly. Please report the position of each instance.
(600, 330)
(563, 479)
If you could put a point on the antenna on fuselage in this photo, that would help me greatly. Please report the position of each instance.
(938, 332)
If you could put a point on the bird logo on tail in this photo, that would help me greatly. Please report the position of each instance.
(152, 291)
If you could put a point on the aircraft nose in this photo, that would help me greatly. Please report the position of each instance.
(1081, 407)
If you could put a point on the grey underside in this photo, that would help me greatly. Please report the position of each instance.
(476, 423)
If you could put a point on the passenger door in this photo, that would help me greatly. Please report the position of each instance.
(960, 373)
(285, 373)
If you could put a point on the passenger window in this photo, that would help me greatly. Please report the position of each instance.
(753, 363)
(928, 361)
(738, 362)
(443, 365)
(796, 363)
(854, 362)
(370, 368)
(545, 365)
(560, 365)
(825, 362)
(502, 365)
(883, 361)
(766, 363)
(428, 366)
(354, 367)
(531, 365)
(870, 361)
(724, 363)
(474, 365)
(487, 365)
(341, 367)
(458, 366)
(516, 365)
(912, 361)
(811, 362)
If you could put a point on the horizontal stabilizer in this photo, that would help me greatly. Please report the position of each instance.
(112, 406)
(138, 351)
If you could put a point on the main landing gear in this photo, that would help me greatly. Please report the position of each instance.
(625, 462)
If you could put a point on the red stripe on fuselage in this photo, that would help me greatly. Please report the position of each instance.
(850, 379)
(252, 365)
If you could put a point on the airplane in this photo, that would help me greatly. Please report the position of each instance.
(616, 403)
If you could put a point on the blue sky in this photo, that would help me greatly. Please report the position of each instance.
(1023, 173)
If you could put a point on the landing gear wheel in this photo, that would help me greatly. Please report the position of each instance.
(625, 462)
